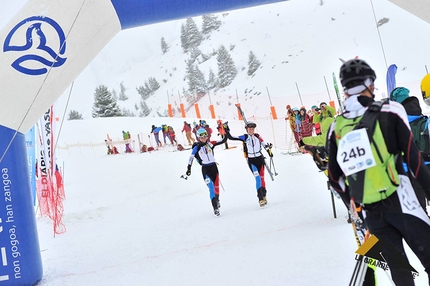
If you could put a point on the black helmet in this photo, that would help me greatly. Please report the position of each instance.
(355, 72)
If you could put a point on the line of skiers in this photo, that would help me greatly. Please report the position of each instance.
(203, 152)
(169, 133)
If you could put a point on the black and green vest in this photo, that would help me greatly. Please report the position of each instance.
(378, 182)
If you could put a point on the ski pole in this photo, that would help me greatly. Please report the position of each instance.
(332, 199)
(268, 170)
(273, 164)
(221, 185)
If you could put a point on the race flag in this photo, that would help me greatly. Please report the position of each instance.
(391, 78)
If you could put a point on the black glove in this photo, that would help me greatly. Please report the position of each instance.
(188, 172)
(269, 149)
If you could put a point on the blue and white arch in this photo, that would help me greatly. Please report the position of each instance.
(42, 50)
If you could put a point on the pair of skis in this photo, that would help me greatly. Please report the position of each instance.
(272, 172)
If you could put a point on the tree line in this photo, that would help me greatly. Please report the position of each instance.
(106, 102)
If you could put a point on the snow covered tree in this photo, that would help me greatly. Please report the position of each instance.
(153, 84)
(74, 115)
(127, 112)
(253, 63)
(144, 109)
(194, 53)
(193, 34)
(148, 89)
(122, 90)
(164, 46)
(114, 95)
(195, 78)
(104, 103)
(212, 80)
(184, 38)
(210, 23)
(226, 68)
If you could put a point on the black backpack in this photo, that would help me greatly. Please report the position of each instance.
(421, 135)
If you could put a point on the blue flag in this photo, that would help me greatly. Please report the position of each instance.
(391, 78)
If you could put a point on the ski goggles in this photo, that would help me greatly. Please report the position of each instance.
(203, 135)
(251, 125)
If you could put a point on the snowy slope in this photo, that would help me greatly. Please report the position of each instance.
(131, 220)
(299, 44)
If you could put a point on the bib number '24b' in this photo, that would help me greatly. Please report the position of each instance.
(354, 152)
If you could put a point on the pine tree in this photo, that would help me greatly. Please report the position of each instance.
(74, 115)
(193, 33)
(127, 112)
(196, 79)
(144, 109)
(164, 46)
(122, 90)
(212, 80)
(149, 88)
(253, 63)
(114, 95)
(104, 104)
(194, 53)
(226, 68)
(184, 38)
(210, 23)
(153, 84)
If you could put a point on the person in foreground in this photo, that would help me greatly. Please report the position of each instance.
(253, 144)
(366, 161)
(204, 154)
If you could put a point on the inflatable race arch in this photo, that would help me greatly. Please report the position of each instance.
(43, 49)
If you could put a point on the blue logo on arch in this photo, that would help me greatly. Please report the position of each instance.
(50, 52)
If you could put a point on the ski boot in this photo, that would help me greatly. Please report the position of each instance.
(216, 205)
(216, 212)
(261, 194)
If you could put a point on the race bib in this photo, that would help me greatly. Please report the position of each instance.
(354, 152)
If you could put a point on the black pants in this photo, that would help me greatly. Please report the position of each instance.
(390, 225)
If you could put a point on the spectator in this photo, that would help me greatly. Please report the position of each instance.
(317, 126)
(126, 136)
(221, 131)
(188, 134)
(305, 123)
(165, 130)
(172, 136)
(156, 131)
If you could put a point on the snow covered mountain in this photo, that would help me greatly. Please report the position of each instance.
(298, 43)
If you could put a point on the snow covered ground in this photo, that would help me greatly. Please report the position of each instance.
(131, 219)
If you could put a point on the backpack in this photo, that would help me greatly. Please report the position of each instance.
(368, 186)
(420, 133)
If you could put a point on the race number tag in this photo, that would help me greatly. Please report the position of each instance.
(354, 153)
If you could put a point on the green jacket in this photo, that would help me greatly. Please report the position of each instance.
(319, 140)
(328, 113)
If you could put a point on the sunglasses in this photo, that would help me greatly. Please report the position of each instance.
(251, 125)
